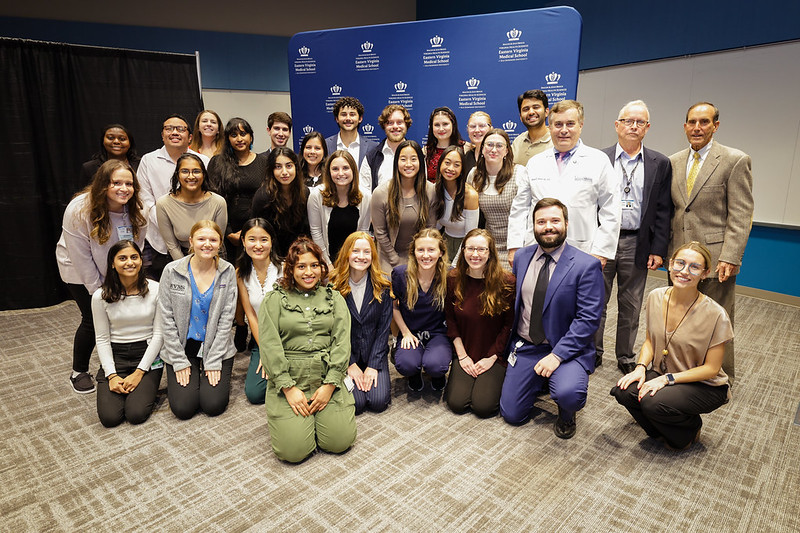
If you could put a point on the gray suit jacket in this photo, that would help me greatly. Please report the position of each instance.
(719, 212)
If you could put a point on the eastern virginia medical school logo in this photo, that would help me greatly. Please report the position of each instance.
(368, 129)
(514, 34)
(472, 83)
(307, 129)
(304, 51)
(509, 126)
(400, 87)
(366, 47)
(436, 41)
(336, 90)
(552, 78)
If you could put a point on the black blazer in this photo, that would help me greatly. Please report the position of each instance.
(657, 206)
(369, 329)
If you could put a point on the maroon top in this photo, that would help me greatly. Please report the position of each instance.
(433, 162)
(483, 336)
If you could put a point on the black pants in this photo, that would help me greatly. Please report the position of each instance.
(112, 407)
(199, 394)
(674, 412)
(84, 341)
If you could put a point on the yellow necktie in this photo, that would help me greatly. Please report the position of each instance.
(692, 174)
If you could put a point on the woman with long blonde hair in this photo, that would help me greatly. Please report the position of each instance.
(420, 288)
(367, 291)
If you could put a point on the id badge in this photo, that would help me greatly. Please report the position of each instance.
(125, 233)
(628, 205)
(512, 357)
(348, 383)
(158, 363)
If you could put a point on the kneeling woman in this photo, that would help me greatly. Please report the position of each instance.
(306, 325)
(480, 314)
(686, 336)
(128, 334)
(197, 304)
(420, 288)
(366, 289)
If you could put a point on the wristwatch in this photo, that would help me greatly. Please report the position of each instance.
(670, 379)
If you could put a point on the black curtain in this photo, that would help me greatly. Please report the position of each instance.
(55, 100)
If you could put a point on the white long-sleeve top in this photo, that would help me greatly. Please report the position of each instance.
(131, 319)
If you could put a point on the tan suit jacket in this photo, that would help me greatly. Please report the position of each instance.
(719, 212)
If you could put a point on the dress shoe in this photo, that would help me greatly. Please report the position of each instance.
(564, 427)
(626, 368)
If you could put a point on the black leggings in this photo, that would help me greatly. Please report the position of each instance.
(84, 341)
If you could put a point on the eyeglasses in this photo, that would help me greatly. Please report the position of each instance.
(179, 129)
(695, 269)
(491, 146)
(630, 122)
(196, 172)
(479, 249)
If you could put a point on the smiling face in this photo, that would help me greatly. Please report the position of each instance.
(128, 263)
(532, 113)
(549, 227)
(307, 272)
(395, 127)
(190, 175)
(209, 126)
(476, 253)
(348, 119)
(408, 163)
(257, 243)
(240, 140)
(341, 173)
(565, 129)
(360, 257)
(700, 126)
(494, 149)
(313, 152)
(450, 166)
(279, 134)
(172, 135)
(116, 143)
(477, 128)
(687, 268)
(285, 170)
(427, 253)
(442, 129)
(205, 242)
(120, 189)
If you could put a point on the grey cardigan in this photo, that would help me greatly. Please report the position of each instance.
(175, 303)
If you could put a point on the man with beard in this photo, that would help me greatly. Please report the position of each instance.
(395, 121)
(348, 112)
(559, 301)
(532, 112)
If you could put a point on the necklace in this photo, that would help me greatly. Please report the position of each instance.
(665, 351)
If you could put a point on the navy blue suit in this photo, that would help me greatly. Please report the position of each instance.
(571, 314)
(364, 146)
(369, 335)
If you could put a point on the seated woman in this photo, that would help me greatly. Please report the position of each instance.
(401, 206)
(128, 332)
(197, 306)
(306, 325)
(257, 270)
(455, 203)
(478, 126)
(442, 132)
(189, 200)
(117, 143)
(207, 138)
(686, 336)
(367, 291)
(480, 314)
(106, 211)
(338, 208)
(313, 153)
(420, 288)
(282, 199)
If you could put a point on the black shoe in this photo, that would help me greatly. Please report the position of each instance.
(626, 368)
(240, 338)
(439, 383)
(415, 382)
(564, 428)
(82, 383)
(598, 360)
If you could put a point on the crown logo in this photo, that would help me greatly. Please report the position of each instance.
(368, 129)
(473, 83)
(552, 78)
(509, 126)
(304, 51)
(307, 129)
(336, 90)
(400, 87)
(366, 46)
(436, 41)
(514, 34)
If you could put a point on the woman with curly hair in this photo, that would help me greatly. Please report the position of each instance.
(106, 211)
(306, 324)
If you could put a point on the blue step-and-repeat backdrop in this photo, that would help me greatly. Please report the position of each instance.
(474, 63)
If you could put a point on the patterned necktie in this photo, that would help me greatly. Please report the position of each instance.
(560, 161)
(536, 331)
(692, 174)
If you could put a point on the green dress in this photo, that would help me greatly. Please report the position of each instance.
(305, 342)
